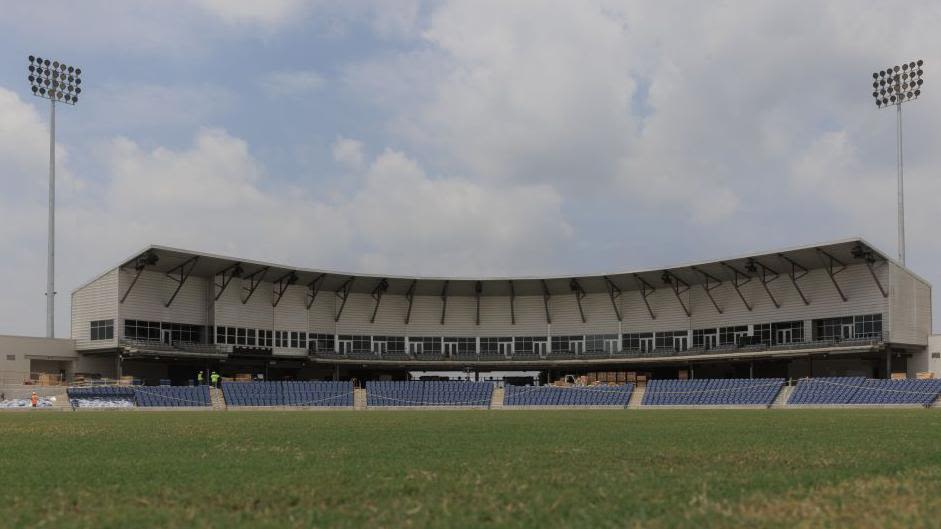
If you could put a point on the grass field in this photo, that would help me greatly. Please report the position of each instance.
(668, 468)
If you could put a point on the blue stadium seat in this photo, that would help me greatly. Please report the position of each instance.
(713, 392)
(293, 393)
(428, 393)
(567, 396)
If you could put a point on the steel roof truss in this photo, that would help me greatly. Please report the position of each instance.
(377, 293)
(546, 297)
(444, 300)
(679, 287)
(185, 269)
(281, 285)
(646, 289)
(254, 279)
(615, 294)
(579, 295)
(763, 277)
(344, 294)
(737, 282)
(228, 274)
(796, 273)
(710, 283)
(313, 288)
(833, 266)
(478, 288)
(410, 296)
(512, 303)
(143, 261)
(875, 278)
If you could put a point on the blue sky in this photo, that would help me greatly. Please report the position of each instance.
(459, 137)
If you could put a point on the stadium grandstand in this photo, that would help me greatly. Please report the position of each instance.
(837, 309)
(690, 334)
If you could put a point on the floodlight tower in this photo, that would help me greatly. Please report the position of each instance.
(892, 87)
(54, 81)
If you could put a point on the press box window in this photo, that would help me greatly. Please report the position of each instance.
(102, 330)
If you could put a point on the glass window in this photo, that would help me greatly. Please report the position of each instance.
(102, 330)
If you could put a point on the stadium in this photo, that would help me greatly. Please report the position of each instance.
(165, 315)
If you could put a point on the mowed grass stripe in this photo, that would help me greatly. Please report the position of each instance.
(603, 468)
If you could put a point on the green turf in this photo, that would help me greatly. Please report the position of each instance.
(667, 468)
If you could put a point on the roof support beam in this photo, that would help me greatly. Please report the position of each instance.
(546, 296)
(228, 274)
(313, 288)
(875, 278)
(512, 303)
(478, 288)
(377, 293)
(254, 279)
(344, 294)
(716, 282)
(737, 282)
(444, 300)
(753, 266)
(833, 267)
(143, 261)
(646, 289)
(679, 287)
(796, 273)
(281, 286)
(410, 296)
(579, 295)
(185, 269)
(614, 293)
(862, 252)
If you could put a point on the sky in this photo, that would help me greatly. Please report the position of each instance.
(465, 137)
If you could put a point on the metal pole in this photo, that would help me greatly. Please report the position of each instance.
(51, 257)
(901, 206)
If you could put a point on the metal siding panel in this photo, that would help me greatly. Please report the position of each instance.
(291, 312)
(857, 283)
(256, 314)
(97, 300)
(147, 300)
(910, 313)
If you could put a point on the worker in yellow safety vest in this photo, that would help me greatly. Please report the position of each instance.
(199, 378)
(34, 399)
(214, 378)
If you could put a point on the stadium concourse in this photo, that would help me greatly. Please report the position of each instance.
(163, 315)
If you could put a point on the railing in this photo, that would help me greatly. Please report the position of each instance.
(568, 355)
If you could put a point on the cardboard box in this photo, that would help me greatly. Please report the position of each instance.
(899, 376)
(925, 375)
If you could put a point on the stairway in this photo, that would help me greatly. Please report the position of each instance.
(359, 399)
(496, 400)
(637, 397)
(216, 398)
(62, 402)
(781, 400)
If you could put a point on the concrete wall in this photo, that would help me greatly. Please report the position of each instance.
(21, 355)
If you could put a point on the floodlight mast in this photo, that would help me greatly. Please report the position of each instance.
(54, 81)
(893, 86)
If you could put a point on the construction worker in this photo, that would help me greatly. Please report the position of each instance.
(214, 378)
(199, 378)
(34, 399)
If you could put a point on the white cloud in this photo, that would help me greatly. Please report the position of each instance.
(267, 13)
(292, 83)
(348, 152)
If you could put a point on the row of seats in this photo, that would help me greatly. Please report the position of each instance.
(713, 392)
(859, 390)
(294, 393)
(173, 396)
(567, 396)
(428, 393)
